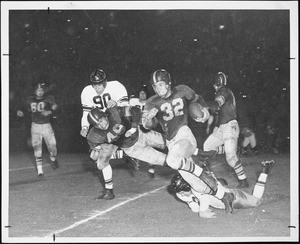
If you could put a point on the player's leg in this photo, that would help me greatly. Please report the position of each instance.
(50, 141)
(36, 141)
(146, 153)
(259, 187)
(104, 156)
(230, 137)
(214, 142)
(253, 144)
(245, 144)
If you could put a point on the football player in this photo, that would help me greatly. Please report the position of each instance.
(41, 107)
(118, 126)
(248, 138)
(140, 102)
(200, 203)
(226, 127)
(170, 109)
(102, 94)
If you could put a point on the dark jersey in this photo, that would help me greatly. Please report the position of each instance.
(172, 111)
(37, 106)
(227, 109)
(119, 124)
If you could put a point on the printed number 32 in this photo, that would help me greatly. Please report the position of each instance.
(172, 109)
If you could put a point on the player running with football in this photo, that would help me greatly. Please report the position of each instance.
(226, 131)
(200, 203)
(170, 109)
(118, 126)
(102, 94)
(41, 107)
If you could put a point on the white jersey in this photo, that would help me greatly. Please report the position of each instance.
(114, 90)
(136, 102)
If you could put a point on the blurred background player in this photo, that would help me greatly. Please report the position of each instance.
(248, 142)
(140, 102)
(102, 94)
(226, 129)
(169, 107)
(200, 203)
(41, 106)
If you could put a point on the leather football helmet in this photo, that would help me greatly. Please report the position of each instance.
(219, 80)
(179, 184)
(98, 76)
(163, 90)
(98, 118)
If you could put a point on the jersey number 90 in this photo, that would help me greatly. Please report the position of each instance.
(101, 101)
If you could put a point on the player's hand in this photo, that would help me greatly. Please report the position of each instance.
(20, 113)
(46, 113)
(94, 155)
(84, 131)
(111, 103)
(202, 120)
(151, 113)
(208, 214)
(130, 132)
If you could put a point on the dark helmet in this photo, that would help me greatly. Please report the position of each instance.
(39, 86)
(95, 115)
(160, 75)
(179, 184)
(98, 76)
(219, 79)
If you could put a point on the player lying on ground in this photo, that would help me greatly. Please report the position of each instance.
(200, 203)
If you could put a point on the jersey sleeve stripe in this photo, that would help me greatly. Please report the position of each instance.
(87, 107)
(123, 99)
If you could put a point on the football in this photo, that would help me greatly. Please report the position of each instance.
(195, 110)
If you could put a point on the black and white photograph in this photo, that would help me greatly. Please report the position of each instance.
(149, 121)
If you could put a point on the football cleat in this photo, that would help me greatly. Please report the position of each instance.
(41, 176)
(228, 202)
(267, 166)
(243, 184)
(108, 194)
(151, 172)
(54, 164)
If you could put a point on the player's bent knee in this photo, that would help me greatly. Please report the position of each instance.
(174, 161)
(101, 165)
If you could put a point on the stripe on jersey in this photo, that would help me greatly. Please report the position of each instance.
(87, 107)
(123, 99)
(220, 100)
(93, 118)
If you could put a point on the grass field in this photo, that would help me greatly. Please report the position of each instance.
(61, 208)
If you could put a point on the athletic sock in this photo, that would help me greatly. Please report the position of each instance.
(259, 187)
(107, 176)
